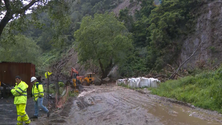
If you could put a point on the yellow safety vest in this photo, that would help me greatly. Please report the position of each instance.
(20, 93)
(37, 91)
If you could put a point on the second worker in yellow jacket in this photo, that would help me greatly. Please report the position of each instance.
(38, 95)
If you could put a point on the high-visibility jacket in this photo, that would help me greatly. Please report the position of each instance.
(20, 93)
(37, 91)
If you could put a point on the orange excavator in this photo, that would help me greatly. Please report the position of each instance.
(89, 79)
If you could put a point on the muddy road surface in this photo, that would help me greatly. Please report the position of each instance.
(115, 105)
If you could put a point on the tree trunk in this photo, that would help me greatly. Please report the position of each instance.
(4, 21)
(101, 67)
(194, 52)
(107, 69)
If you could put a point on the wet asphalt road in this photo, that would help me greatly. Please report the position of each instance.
(114, 105)
(8, 114)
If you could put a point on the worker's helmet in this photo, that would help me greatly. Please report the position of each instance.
(33, 79)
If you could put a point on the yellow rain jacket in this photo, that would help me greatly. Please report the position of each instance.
(37, 91)
(20, 93)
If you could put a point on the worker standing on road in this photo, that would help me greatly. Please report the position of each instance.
(38, 94)
(20, 100)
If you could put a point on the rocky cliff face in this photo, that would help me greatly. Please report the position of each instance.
(126, 4)
(207, 38)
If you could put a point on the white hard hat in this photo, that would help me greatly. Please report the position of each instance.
(33, 79)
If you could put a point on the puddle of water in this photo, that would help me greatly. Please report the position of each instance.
(175, 115)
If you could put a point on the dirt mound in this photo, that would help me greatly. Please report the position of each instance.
(62, 68)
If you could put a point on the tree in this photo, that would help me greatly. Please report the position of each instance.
(23, 50)
(126, 18)
(103, 40)
(15, 9)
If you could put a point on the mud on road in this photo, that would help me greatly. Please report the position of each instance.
(115, 105)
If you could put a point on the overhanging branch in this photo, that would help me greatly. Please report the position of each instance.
(9, 13)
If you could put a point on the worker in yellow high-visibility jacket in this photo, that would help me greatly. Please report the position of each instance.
(38, 95)
(20, 100)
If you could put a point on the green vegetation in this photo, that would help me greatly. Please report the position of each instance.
(203, 90)
(73, 94)
(156, 33)
(61, 84)
(138, 44)
(14, 9)
(50, 28)
(25, 49)
(52, 88)
(103, 40)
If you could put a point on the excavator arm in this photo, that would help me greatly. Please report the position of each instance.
(74, 72)
(74, 76)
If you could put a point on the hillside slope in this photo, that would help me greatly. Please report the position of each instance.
(126, 4)
(208, 32)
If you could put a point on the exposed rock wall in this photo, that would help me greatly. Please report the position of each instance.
(208, 33)
(126, 4)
